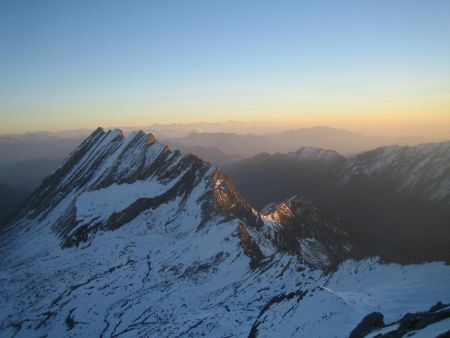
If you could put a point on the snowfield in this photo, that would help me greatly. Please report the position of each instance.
(144, 280)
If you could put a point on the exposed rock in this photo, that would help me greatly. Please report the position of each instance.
(318, 238)
(369, 323)
(444, 335)
(410, 322)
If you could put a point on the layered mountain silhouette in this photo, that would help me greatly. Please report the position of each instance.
(341, 140)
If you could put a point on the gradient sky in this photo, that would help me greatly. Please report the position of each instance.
(373, 66)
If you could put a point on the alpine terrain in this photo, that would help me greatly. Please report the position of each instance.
(127, 238)
(397, 198)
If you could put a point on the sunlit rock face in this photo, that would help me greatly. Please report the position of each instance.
(319, 239)
(128, 238)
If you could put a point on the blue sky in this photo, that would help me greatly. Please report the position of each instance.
(81, 63)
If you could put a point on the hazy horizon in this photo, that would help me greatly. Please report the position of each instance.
(231, 126)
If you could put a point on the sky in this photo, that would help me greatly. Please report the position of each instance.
(379, 67)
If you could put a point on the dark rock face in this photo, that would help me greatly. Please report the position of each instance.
(436, 307)
(370, 322)
(274, 300)
(409, 322)
(251, 249)
(228, 200)
(417, 321)
(444, 335)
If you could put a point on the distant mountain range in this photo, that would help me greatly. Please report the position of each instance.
(340, 140)
(213, 155)
(179, 130)
(248, 139)
(398, 198)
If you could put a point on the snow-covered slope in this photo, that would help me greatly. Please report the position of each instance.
(422, 170)
(337, 302)
(127, 238)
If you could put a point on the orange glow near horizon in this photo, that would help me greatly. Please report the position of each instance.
(425, 117)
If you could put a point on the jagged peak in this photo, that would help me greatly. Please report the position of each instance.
(229, 200)
(98, 130)
(105, 157)
(312, 234)
(141, 135)
(288, 205)
(120, 135)
(293, 211)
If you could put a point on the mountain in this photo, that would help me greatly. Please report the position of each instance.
(129, 238)
(430, 323)
(232, 137)
(340, 140)
(397, 197)
(10, 201)
(213, 155)
(218, 143)
(21, 178)
(178, 130)
(265, 178)
(423, 170)
(231, 143)
(32, 146)
(318, 238)
(27, 175)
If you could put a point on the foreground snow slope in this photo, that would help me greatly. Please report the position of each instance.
(130, 239)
